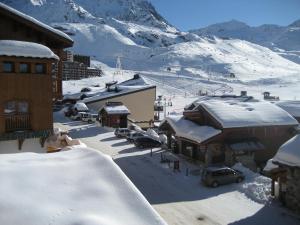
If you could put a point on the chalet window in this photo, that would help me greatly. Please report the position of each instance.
(16, 107)
(40, 68)
(10, 107)
(8, 67)
(24, 68)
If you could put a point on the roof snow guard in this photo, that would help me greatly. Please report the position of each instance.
(25, 49)
(23, 18)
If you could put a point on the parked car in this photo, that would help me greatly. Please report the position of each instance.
(133, 135)
(122, 132)
(89, 117)
(215, 176)
(146, 142)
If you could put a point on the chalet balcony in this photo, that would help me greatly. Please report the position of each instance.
(17, 122)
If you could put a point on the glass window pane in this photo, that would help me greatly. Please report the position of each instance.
(10, 107)
(40, 68)
(8, 67)
(24, 68)
(23, 107)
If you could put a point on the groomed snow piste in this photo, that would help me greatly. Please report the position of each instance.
(80, 186)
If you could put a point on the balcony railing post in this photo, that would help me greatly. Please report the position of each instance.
(17, 122)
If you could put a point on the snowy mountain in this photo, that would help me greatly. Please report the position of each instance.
(283, 39)
(134, 30)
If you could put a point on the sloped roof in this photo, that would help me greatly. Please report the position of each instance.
(116, 109)
(292, 107)
(25, 49)
(289, 152)
(231, 114)
(187, 129)
(25, 18)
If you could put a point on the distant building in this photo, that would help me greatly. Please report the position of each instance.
(76, 67)
(228, 129)
(135, 94)
(25, 91)
(86, 60)
(15, 25)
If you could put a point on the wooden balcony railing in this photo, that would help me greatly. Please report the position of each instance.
(17, 122)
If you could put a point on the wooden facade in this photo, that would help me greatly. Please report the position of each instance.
(25, 99)
(14, 26)
(218, 150)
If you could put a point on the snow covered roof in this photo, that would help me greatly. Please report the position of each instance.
(116, 109)
(80, 106)
(289, 152)
(237, 98)
(270, 166)
(190, 130)
(126, 87)
(80, 186)
(25, 49)
(232, 114)
(34, 21)
(292, 107)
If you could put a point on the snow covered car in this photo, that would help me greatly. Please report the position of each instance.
(122, 132)
(215, 176)
(146, 142)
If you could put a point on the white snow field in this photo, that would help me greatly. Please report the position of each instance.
(79, 186)
(182, 199)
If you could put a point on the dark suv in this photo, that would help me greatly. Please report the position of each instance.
(215, 176)
(146, 142)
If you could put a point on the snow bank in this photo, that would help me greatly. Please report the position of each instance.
(289, 153)
(190, 130)
(81, 186)
(256, 186)
(247, 114)
(25, 49)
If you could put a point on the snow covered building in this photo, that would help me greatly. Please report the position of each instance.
(15, 25)
(222, 130)
(25, 90)
(114, 114)
(287, 173)
(135, 94)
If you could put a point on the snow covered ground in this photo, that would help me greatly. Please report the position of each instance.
(79, 186)
(182, 199)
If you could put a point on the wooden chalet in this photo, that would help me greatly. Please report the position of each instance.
(284, 169)
(228, 130)
(15, 25)
(114, 114)
(25, 90)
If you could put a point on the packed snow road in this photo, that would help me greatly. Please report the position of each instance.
(178, 198)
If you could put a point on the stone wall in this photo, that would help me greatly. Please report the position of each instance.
(292, 199)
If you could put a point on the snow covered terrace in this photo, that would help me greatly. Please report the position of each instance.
(79, 186)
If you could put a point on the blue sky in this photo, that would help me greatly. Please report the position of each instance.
(191, 14)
